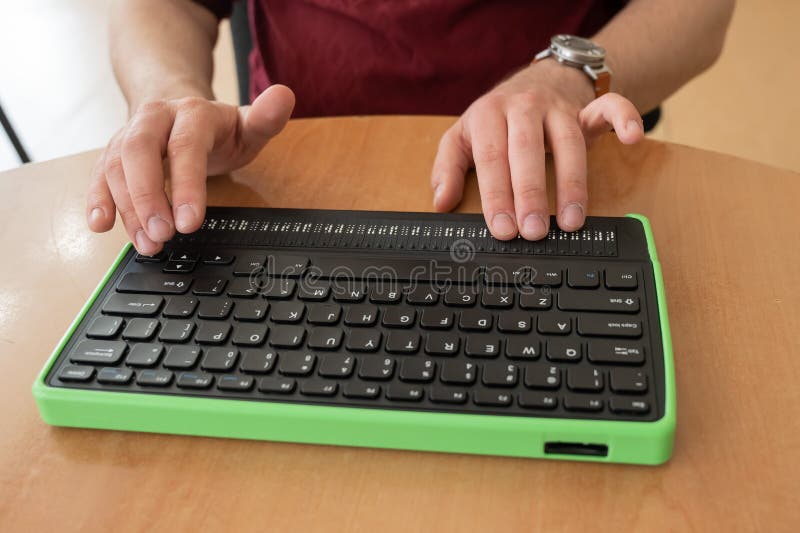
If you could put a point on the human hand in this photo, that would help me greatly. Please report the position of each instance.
(196, 137)
(504, 135)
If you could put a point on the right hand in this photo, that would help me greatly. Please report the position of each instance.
(197, 137)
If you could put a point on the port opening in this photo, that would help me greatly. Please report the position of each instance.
(575, 448)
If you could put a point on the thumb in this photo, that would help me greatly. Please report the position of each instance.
(452, 162)
(611, 110)
(266, 116)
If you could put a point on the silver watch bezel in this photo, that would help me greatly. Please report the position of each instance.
(561, 50)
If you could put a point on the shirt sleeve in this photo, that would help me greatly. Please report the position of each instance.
(220, 8)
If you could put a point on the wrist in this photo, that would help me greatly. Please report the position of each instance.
(169, 91)
(572, 82)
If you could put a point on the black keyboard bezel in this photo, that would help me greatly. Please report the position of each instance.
(632, 248)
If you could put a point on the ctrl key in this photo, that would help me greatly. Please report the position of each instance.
(76, 373)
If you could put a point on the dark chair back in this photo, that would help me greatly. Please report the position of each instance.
(242, 44)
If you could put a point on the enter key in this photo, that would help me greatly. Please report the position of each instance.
(594, 300)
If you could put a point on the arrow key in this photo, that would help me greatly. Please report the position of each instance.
(218, 259)
(179, 266)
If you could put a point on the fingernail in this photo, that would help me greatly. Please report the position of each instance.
(633, 126)
(572, 217)
(185, 217)
(437, 192)
(534, 227)
(97, 215)
(158, 229)
(503, 225)
(143, 243)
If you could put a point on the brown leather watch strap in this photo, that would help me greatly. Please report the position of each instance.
(602, 84)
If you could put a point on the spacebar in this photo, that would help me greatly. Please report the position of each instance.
(432, 270)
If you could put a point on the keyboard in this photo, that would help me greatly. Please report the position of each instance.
(394, 330)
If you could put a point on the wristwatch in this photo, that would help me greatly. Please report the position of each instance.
(583, 54)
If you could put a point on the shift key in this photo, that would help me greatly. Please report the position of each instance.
(609, 326)
(98, 352)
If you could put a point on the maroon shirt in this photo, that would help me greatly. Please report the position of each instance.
(352, 57)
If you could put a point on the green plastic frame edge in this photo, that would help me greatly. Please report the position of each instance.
(628, 442)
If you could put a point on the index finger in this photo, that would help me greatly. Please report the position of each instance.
(143, 149)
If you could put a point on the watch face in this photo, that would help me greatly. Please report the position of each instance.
(577, 50)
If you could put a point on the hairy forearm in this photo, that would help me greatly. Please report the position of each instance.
(162, 49)
(655, 46)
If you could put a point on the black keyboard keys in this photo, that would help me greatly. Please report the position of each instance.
(258, 361)
(287, 336)
(209, 332)
(567, 341)
(219, 359)
(376, 368)
(76, 373)
(524, 348)
(404, 392)
(194, 380)
(585, 379)
(251, 311)
(337, 366)
(114, 376)
(176, 331)
(554, 324)
(485, 346)
(249, 334)
(154, 378)
(235, 383)
(402, 342)
(296, 364)
(324, 314)
(133, 304)
(318, 387)
(441, 343)
(153, 283)
(215, 309)
(361, 391)
(537, 400)
(451, 395)
(140, 329)
(144, 355)
(417, 370)
(609, 326)
(209, 286)
(276, 385)
(98, 352)
(364, 340)
(181, 357)
(180, 307)
(491, 398)
(436, 319)
(628, 381)
(322, 338)
(458, 372)
(496, 374)
(104, 327)
(615, 352)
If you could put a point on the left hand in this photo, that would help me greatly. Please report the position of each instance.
(504, 135)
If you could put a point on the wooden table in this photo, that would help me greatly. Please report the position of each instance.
(727, 235)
